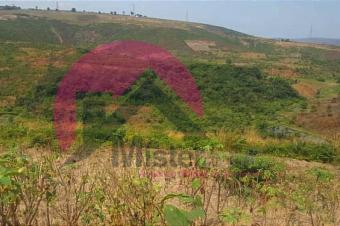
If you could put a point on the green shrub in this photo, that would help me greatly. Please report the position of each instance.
(321, 174)
(338, 80)
(23, 186)
(118, 136)
(41, 138)
(267, 130)
(320, 79)
(256, 168)
(137, 141)
(300, 150)
(12, 131)
(197, 142)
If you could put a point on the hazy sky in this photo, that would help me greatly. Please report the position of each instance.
(286, 19)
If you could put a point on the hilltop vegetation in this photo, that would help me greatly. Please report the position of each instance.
(271, 123)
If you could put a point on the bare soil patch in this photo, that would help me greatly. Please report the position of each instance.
(8, 17)
(200, 45)
(282, 72)
(305, 90)
(253, 55)
(323, 117)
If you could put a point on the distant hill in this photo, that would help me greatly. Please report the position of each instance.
(265, 151)
(244, 80)
(327, 41)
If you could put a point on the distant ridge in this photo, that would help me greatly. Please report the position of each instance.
(326, 41)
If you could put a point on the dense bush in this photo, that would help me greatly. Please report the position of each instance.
(235, 97)
(325, 153)
(306, 151)
(276, 131)
(256, 168)
(42, 138)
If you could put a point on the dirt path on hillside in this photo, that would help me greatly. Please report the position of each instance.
(58, 35)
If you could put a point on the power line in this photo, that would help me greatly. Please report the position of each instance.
(311, 31)
(186, 15)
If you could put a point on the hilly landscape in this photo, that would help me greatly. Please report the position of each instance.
(268, 143)
(327, 41)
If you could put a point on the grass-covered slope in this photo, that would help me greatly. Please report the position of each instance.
(247, 83)
(266, 151)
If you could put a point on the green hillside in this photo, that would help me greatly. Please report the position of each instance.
(269, 135)
(231, 70)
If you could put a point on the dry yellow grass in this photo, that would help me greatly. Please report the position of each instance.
(324, 117)
(308, 45)
(7, 17)
(90, 17)
(37, 59)
(200, 45)
(99, 167)
(305, 89)
(4, 69)
(143, 120)
(253, 138)
(7, 101)
(253, 56)
(282, 72)
(40, 60)
(176, 135)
